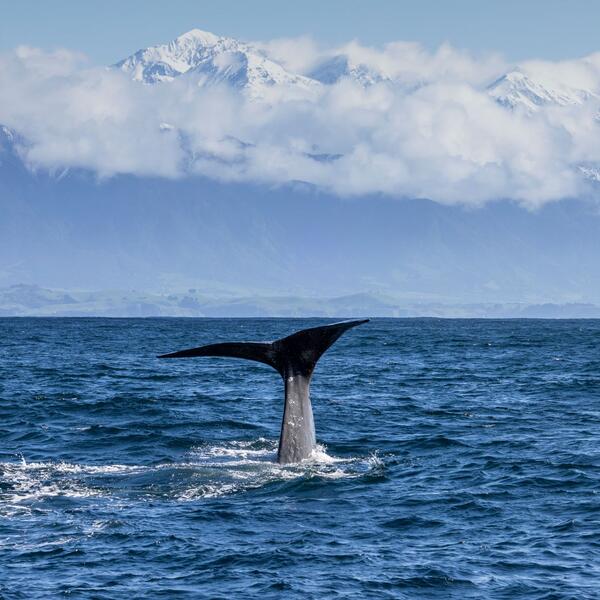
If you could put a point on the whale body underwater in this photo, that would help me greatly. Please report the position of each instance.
(294, 357)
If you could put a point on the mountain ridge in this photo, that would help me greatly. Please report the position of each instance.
(516, 89)
(215, 59)
(22, 300)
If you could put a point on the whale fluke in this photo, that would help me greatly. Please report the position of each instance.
(294, 357)
(259, 351)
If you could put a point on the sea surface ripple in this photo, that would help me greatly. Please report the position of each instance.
(459, 459)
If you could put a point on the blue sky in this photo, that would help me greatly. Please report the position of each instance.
(109, 30)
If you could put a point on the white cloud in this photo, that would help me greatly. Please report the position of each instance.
(437, 134)
(297, 55)
(410, 63)
(582, 73)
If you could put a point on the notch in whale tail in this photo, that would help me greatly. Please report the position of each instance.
(295, 354)
(294, 357)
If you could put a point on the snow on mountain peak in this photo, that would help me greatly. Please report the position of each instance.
(167, 61)
(208, 59)
(199, 36)
(518, 89)
(212, 60)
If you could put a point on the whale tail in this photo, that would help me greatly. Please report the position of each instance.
(294, 357)
(297, 353)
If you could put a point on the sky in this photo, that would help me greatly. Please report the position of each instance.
(109, 30)
(438, 116)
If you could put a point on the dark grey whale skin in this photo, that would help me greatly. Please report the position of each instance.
(294, 357)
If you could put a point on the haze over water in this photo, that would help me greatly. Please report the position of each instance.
(460, 460)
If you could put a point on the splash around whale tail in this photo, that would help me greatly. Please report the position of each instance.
(294, 357)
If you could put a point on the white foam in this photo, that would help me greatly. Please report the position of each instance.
(216, 470)
(319, 455)
(375, 462)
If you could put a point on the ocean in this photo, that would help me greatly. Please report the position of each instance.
(457, 459)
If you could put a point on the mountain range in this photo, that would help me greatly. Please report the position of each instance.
(34, 301)
(214, 60)
(234, 240)
(196, 245)
(209, 60)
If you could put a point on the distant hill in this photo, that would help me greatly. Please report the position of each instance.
(31, 300)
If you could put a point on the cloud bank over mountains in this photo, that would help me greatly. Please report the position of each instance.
(397, 120)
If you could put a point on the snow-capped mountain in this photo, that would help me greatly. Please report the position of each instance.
(516, 89)
(211, 60)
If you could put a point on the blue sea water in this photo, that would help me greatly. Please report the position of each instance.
(459, 459)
